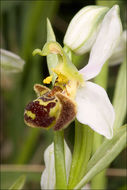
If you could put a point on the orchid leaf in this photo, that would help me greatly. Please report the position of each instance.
(82, 153)
(119, 101)
(107, 152)
(52, 59)
(19, 183)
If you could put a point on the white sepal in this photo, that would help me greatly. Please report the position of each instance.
(95, 110)
(83, 28)
(106, 42)
(48, 176)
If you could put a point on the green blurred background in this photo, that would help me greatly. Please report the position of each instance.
(23, 28)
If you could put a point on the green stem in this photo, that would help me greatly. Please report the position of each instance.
(82, 146)
(86, 150)
(107, 152)
(99, 181)
(61, 180)
(76, 152)
(120, 96)
(82, 153)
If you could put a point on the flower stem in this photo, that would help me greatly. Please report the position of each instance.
(61, 180)
(76, 152)
(82, 152)
(99, 181)
(86, 150)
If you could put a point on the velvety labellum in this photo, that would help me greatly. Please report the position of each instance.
(42, 113)
(51, 109)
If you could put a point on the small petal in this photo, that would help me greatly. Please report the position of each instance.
(120, 51)
(10, 62)
(105, 44)
(95, 109)
(64, 66)
(83, 28)
(48, 176)
(67, 112)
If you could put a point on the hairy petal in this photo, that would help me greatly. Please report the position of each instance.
(105, 44)
(95, 110)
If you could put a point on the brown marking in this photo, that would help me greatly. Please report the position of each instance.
(68, 112)
(42, 118)
(47, 98)
(39, 89)
(55, 90)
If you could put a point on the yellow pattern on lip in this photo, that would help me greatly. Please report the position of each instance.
(30, 114)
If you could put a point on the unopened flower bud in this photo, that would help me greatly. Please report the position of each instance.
(83, 28)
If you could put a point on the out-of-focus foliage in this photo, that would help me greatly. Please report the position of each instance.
(18, 183)
(23, 28)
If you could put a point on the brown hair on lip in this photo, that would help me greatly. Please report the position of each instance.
(68, 112)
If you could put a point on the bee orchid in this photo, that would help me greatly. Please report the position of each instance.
(73, 96)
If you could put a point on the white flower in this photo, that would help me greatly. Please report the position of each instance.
(93, 105)
(105, 44)
(48, 177)
(11, 62)
(83, 28)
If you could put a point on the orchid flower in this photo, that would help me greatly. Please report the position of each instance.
(48, 177)
(83, 29)
(73, 95)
